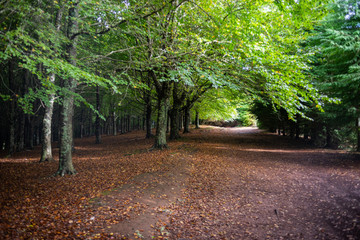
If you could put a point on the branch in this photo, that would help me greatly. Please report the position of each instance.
(120, 23)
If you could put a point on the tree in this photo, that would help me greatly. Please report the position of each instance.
(336, 69)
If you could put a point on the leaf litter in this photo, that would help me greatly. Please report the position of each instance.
(214, 183)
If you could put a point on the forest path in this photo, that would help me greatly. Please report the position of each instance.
(242, 183)
(214, 183)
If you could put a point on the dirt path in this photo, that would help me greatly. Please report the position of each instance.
(214, 183)
(244, 184)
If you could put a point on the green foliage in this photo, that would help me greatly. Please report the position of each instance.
(335, 67)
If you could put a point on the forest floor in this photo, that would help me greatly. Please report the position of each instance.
(214, 183)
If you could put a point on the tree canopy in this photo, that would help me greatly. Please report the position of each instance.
(129, 61)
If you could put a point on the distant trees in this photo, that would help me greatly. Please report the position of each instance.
(334, 50)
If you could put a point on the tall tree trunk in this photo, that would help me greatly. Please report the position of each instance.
(21, 143)
(97, 121)
(148, 112)
(46, 151)
(358, 133)
(160, 138)
(114, 117)
(187, 120)
(12, 145)
(197, 120)
(174, 122)
(82, 123)
(67, 111)
(178, 98)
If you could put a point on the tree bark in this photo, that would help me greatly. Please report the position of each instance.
(197, 120)
(148, 112)
(46, 151)
(114, 117)
(174, 122)
(358, 133)
(67, 110)
(178, 98)
(160, 138)
(97, 121)
(21, 143)
(12, 145)
(187, 120)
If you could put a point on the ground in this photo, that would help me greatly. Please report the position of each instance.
(214, 183)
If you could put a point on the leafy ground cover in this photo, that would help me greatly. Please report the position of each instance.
(214, 183)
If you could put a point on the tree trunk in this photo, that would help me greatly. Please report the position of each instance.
(197, 120)
(148, 112)
(82, 123)
(97, 121)
(21, 143)
(187, 120)
(358, 133)
(160, 139)
(67, 110)
(174, 122)
(46, 151)
(168, 122)
(114, 117)
(12, 145)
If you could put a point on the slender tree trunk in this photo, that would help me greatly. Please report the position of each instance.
(358, 133)
(114, 117)
(67, 111)
(148, 112)
(12, 145)
(187, 120)
(97, 121)
(178, 98)
(197, 120)
(181, 120)
(46, 151)
(168, 122)
(82, 123)
(21, 143)
(128, 123)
